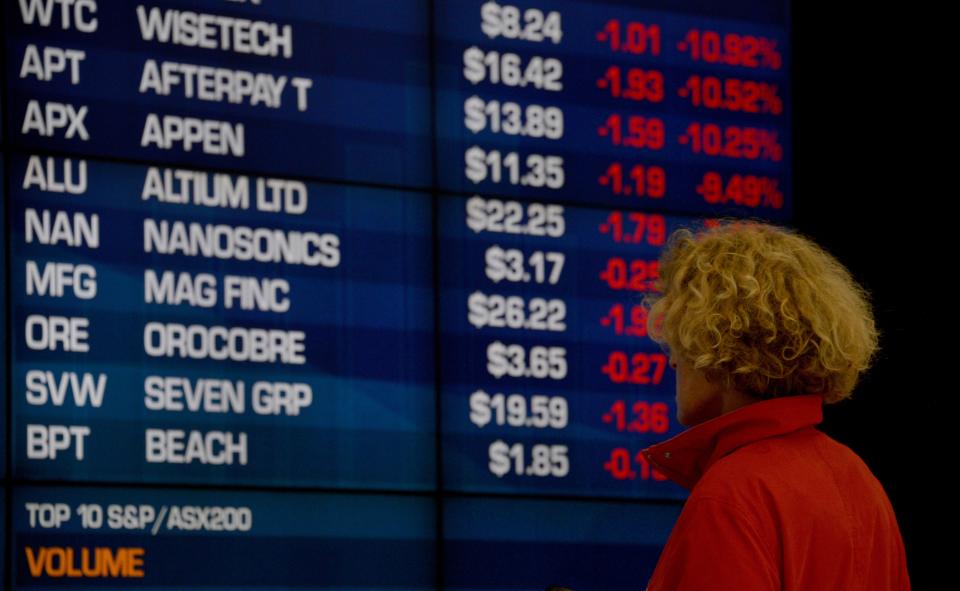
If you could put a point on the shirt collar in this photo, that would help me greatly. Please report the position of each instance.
(686, 457)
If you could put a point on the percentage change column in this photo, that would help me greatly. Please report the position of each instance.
(756, 102)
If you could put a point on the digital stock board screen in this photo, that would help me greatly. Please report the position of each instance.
(348, 294)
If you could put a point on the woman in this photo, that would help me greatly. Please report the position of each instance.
(763, 327)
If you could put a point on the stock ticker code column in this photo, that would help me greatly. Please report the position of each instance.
(573, 139)
(194, 303)
(234, 299)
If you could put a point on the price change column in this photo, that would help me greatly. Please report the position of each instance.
(550, 383)
(602, 103)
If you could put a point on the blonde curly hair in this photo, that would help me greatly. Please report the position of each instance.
(763, 310)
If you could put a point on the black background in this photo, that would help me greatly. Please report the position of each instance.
(872, 165)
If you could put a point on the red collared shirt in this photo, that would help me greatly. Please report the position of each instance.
(775, 504)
